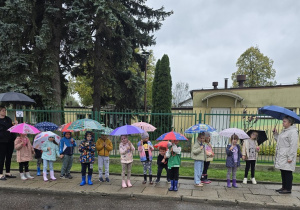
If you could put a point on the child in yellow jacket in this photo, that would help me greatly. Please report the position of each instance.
(103, 146)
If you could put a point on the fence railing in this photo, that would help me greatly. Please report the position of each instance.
(178, 121)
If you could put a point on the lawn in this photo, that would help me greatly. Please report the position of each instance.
(137, 169)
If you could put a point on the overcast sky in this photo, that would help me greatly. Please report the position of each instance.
(204, 38)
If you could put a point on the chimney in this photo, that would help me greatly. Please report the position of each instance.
(226, 83)
(215, 84)
(241, 79)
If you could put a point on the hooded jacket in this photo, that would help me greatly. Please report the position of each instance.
(66, 147)
(87, 150)
(104, 151)
(286, 148)
(24, 150)
(49, 154)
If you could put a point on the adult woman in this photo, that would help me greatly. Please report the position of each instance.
(6, 144)
(286, 153)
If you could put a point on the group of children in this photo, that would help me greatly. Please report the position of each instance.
(169, 158)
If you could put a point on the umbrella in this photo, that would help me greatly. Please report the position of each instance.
(262, 136)
(279, 112)
(198, 128)
(230, 131)
(106, 131)
(145, 126)
(172, 136)
(85, 124)
(16, 98)
(46, 126)
(42, 137)
(65, 128)
(126, 130)
(162, 144)
(23, 128)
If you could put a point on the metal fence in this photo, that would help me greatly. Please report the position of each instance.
(178, 121)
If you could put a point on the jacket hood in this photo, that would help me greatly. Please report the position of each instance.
(89, 133)
(292, 127)
(66, 133)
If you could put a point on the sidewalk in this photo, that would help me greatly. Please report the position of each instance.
(260, 195)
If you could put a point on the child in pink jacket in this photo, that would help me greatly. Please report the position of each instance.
(24, 155)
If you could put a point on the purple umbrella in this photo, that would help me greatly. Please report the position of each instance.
(126, 130)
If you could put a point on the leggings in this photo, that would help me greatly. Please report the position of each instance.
(205, 168)
(248, 164)
(45, 165)
(147, 167)
(174, 173)
(6, 151)
(126, 168)
(38, 162)
(23, 165)
(233, 170)
(83, 168)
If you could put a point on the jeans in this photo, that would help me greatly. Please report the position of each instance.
(45, 165)
(198, 169)
(67, 165)
(103, 160)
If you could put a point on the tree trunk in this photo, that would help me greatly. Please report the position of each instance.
(98, 68)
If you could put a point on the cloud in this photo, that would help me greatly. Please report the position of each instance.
(204, 38)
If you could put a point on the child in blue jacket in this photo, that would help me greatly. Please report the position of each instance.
(66, 150)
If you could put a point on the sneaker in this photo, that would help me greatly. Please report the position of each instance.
(157, 181)
(206, 181)
(101, 179)
(62, 176)
(107, 179)
(253, 181)
(245, 180)
(69, 176)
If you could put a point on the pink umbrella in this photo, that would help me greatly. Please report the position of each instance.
(24, 128)
(145, 126)
(230, 131)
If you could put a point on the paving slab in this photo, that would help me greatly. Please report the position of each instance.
(234, 195)
(240, 190)
(259, 198)
(286, 199)
(179, 193)
(273, 186)
(132, 190)
(154, 191)
(256, 191)
(107, 189)
(205, 194)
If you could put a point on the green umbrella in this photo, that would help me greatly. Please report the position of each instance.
(85, 124)
(106, 131)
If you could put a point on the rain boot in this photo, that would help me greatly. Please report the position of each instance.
(206, 181)
(52, 177)
(145, 179)
(234, 183)
(228, 183)
(45, 177)
(175, 185)
(172, 186)
(38, 171)
(129, 183)
(150, 179)
(124, 184)
(28, 175)
(83, 182)
(23, 177)
(90, 180)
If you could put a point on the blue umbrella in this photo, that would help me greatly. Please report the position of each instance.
(126, 130)
(279, 112)
(46, 126)
(199, 128)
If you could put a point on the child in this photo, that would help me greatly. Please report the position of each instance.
(126, 149)
(162, 163)
(103, 146)
(233, 152)
(250, 154)
(198, 154)
(24, 155)
(87, 152)
(38, 157)
(145, 149)
(174, 155)
(66, 150)
(50, 151)
(209, 157)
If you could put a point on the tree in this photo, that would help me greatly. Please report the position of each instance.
(162, 95)
(180, 93)
(257, 67)
(298, 80)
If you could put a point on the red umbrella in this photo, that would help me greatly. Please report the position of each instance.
(162, 144)
(64, 127)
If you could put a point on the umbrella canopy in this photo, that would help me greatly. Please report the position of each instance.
(199, 128)
(42, 137)
(16, 98)
(262, 136)
(46, 126)
(126, 130)
(162, 144)
(279, 112)
(65, 128)
(145, 126)
(23, 128)
(230, 131)
(172, 136)
(85, 124)
(106, 131)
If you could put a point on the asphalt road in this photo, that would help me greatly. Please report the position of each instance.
(12, 199)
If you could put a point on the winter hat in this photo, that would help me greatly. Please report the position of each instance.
(145, 135)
